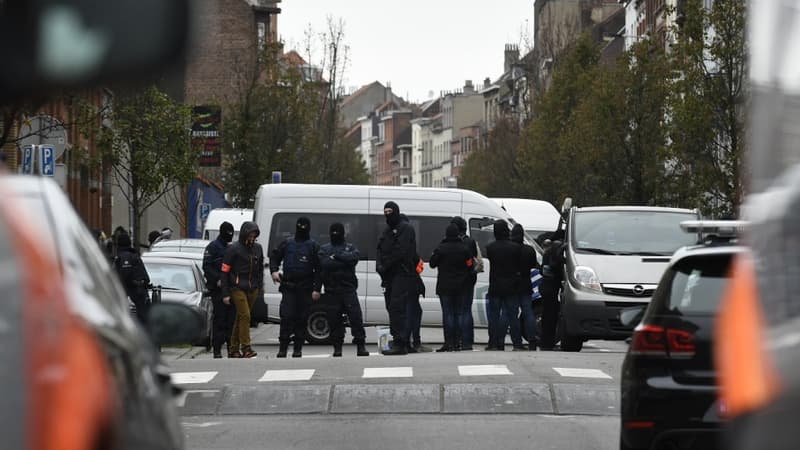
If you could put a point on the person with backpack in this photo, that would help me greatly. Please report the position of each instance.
(466, 324)
(527, 263)
(337, 263)
(130, 268)
(454, 260)
(299, 284)
(396, 264)
(223, 315)
(242, 280)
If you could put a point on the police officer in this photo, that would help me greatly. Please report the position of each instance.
(504, 257)
(466, 324)
(299, 284)
(224, 315)
(132, 273)
(396, 264)
(527, 263)
(338, 261)
(242, 280)
(552, 276)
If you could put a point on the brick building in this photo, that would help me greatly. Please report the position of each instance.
(394, 148)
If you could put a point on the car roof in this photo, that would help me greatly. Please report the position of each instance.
(174, 255)
(635, 208)
(150, 257)
(706, 249)
(183, 243)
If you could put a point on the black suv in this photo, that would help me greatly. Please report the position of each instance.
(669, 388)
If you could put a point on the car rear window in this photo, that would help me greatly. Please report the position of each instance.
(698, 283)
(171, 276)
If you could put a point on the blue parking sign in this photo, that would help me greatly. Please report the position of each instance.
(205, 209)
(48, 161)
(27, 159)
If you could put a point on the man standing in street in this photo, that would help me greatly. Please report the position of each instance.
(504, 257)
(242, 280)
(466, 324)
(132, 273)
(224, 315)
(337, 262)
(396, 265)
(299, 284)
(527, 263)
(551, 283)
(454, 260)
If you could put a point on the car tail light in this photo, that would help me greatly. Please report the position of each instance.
(655, 340)
(639, 424)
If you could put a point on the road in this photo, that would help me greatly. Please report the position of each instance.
(465, 400)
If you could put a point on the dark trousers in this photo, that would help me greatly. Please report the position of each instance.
(414, 317)
(345, 303)
(402, 290)
(294, 309)
(550, 307)
(509, 318)
(451, 313)
(493, 307)
(142, 304)
(465, 321)
(528, 318)
(222, 321)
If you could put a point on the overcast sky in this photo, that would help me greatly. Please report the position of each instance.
(420, 46)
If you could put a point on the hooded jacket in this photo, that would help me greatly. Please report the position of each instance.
(527, 262)
(243, 265)
(397, 248)
(470, 243)
(504, 257)
(454, 260)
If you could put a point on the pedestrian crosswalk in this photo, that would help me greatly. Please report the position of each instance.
(471, 371)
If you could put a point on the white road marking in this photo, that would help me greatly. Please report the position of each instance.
(201, 424)
(323, 355)
(192, 377)
(388, 372)
(376, 354)
(581, 373)
(492, 369)
(287, 375)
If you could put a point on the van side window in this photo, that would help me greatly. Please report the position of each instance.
(357, 229)
(482, 231)
(430, 232)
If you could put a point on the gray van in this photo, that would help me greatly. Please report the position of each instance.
(614, 258)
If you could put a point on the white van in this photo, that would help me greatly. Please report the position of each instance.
(535, 216)
(215, 218)
(360, 209)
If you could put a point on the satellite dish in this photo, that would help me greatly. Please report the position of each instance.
(44, 129)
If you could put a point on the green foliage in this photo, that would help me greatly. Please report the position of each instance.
(491, 167)
(148, 148)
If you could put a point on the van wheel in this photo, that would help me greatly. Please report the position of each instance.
(318, 329)
(569, 343)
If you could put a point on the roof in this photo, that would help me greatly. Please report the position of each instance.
(699, 250)
(174, 255)
(294, 58)
(360, 91)
(636, 208)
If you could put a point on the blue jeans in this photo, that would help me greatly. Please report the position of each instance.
(526, 304)
(510, 306)
(465, 322)
(497, 327)
(450, 314)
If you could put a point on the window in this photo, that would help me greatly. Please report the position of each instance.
(631, 232)
(172, 276)
(697, 284)
(381, 132)
(262, 35)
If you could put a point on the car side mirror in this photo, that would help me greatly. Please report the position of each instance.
(174, 324)
(630, 317)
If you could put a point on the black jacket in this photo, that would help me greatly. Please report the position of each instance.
(212, 262)
(243, 265)
(454, 260)
(397, 249)
(473, 248)
(504, 256)
(338, 267)
(527, 263)
(132, 273)
(309, 277)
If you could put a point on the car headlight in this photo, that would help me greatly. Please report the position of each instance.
(587, 278)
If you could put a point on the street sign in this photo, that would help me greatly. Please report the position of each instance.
(276, 177)
(27, 159)
(205, 209)
(48, 160)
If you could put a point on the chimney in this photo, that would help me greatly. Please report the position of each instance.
(487, 82)
(511, 57)
(388, 92)
(469, 89)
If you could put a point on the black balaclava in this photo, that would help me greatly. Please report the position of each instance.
(123, 241)
(155, 234)
(226, 232)
(451, 234)
(517, 234)
(337, 233)
(461, 224)
(393, 219)
(501, 230)
(302, 229)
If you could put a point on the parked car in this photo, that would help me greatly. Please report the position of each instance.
(614, 257)
(181, 245)
(141, 383)
(669, 385)
(181, 281)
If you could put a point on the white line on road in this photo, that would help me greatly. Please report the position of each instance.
(388, 372)
(491, 369)
(323, 355)
(192, 377)
(581, 373)
(288, 375)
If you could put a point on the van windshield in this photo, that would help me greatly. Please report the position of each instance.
(642, 233)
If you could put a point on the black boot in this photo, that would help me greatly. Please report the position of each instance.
(298, 350)
(361, 349)
(337, 350)
(284, 347)
(397, 348)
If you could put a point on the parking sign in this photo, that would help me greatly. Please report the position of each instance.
(27, 159)
(48, 160)
(205, 209)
